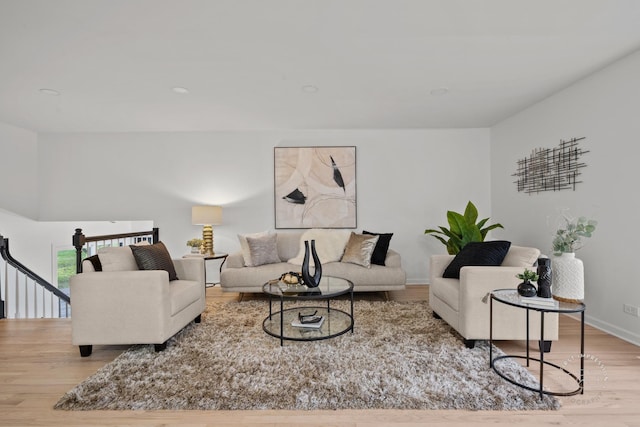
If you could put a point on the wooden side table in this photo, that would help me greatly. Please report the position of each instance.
(219, 255)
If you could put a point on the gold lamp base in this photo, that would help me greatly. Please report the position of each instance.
(207, 236)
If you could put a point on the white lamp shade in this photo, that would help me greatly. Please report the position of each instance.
(206, 215)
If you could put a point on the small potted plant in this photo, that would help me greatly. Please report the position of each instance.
(196, 245)
(526, 288)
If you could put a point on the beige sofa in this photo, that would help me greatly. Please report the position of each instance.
(464, 305)
(125, 305)
(236, 277)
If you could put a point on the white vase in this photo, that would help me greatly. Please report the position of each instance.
(568, 277)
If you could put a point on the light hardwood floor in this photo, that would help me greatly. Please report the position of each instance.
(38, 364)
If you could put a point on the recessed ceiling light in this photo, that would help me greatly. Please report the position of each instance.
(180, 90)
(309, 89)
(50, 92)
(439, 91)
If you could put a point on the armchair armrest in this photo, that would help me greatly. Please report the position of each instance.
(190, 269)
(106, 303)
(477, 282)
(438, 264)
(235, 260)
(486, 279)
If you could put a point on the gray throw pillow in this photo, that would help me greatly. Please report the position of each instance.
(263, 250)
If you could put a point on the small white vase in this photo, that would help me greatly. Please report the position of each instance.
(568, 277)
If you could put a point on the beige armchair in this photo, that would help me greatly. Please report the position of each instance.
(124, 305)
(464, 304)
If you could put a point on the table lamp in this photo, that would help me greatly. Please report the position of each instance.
(207, 216)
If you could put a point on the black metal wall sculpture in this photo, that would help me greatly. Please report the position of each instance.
(551, 169)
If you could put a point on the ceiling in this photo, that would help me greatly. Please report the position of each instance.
(253, 64)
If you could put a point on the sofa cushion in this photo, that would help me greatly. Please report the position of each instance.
(154, 257)
(183, 293)
(521, 256)
(117, 258)
(490, 253)
(382, 247)
(359, 249)
(262, 250)
(330, 244)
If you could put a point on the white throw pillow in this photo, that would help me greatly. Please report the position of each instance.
(244, 245)
(330, 244)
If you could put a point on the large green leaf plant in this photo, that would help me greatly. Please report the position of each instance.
(462, 229)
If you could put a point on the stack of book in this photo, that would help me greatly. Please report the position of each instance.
(315, 324)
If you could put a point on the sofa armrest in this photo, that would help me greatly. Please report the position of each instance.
(393, 259)
(235, 260)
(191, 268)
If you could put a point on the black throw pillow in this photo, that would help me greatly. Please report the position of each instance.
(380, 251)
(477, 254)
(95, 261)
(154, 257)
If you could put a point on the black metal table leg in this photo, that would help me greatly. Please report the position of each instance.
(281, 321)
(491, 331)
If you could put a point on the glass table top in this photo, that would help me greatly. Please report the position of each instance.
(511, 297)
(329, 287)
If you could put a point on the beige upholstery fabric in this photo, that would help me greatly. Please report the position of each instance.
(235, 277)
(463, 304)
(135, 307)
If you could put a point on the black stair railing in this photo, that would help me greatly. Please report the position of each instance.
(16, 296)
(88, 245)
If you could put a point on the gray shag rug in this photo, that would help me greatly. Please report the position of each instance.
(399, 357)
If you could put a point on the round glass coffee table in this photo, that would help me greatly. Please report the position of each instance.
(282, 324)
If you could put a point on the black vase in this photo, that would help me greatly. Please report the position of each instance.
(307, 279)
(544, 277)
(526, 289)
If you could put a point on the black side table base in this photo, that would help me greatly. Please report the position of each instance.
(579, 390)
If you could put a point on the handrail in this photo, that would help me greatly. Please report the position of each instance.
(79, 240)
(4, 251)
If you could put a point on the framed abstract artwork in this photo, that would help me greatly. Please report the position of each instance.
(315, 187)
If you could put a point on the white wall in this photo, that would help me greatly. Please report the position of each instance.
(19, 186)
(603, 108)
(406, 181)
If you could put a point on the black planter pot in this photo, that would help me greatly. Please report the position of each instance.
(526, 289)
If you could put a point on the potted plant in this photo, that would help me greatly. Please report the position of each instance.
(462, 229)
(195, 245)
(568, 271)
(526, 288)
